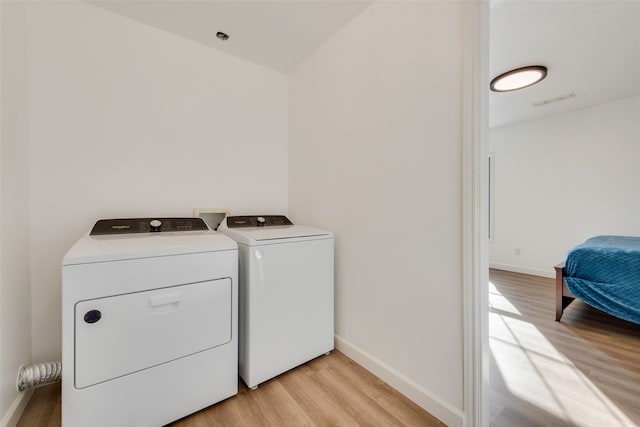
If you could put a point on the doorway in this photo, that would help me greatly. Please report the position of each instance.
(545, 372)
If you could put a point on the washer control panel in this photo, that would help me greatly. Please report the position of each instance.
(147, 225)
(257, 221)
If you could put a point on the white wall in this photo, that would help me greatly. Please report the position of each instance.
(375, 156)
(563, 179)
(15, 312)
(126, 120)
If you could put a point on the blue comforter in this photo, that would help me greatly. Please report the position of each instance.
(604, 272)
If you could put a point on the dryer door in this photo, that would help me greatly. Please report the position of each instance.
(122, 334)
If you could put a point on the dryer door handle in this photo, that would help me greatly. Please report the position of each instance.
(165, 299)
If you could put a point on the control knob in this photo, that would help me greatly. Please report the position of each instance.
(261, 221)
(155, 225)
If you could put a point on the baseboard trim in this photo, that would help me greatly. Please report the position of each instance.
(431, 403)
(524, 270)
(11, 418)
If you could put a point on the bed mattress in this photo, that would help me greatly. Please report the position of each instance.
(604, 272)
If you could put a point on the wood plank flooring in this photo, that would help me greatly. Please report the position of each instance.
(328, 391)
(582, 371)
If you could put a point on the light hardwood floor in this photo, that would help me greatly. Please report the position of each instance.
(328, 391)
(581, 371)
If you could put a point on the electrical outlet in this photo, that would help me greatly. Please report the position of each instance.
(517, 251)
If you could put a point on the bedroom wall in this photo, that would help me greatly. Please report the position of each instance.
(375, 156)
(15, 312)
(563, 179)
(126, 120)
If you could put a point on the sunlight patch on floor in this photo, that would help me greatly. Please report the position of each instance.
(499, 302)
(535, 371)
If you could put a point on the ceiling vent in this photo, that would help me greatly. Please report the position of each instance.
(556, 99)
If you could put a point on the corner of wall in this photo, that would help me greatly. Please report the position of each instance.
(424, 398)
(13, 414)
(14, 247)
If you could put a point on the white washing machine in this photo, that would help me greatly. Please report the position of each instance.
(286, 294)
(149, 322)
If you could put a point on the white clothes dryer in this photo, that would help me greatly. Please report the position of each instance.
(149, 322)
(286, 294)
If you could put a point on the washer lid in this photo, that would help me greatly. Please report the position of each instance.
(270, 235)
(283, 232)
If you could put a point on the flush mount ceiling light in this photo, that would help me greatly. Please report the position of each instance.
(222, 36)
(518, 78)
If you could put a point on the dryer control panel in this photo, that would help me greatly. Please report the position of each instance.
(147, 225)
(257, 221)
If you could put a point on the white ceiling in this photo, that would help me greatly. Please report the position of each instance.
(274, 34)
(592, 49)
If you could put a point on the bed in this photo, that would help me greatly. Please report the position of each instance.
(604, 272)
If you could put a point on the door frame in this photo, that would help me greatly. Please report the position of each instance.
(475, 259)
